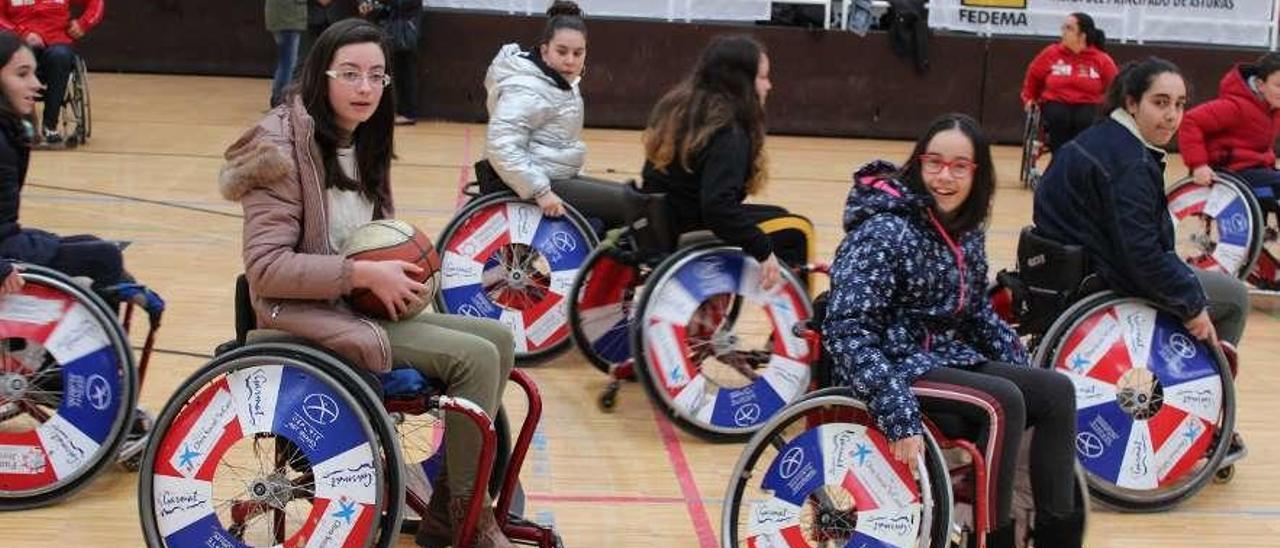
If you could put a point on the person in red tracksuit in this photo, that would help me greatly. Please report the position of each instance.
(47, 26)
(1237, 130)
(1069, 79)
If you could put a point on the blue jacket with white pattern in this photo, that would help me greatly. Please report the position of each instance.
(905, 298)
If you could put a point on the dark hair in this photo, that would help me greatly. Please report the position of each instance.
(720, 91)
(373, 139)
(562, 14)
(1093, 36)
(975, 209)
(10, 43)
(1266, 65)
(1133, 80)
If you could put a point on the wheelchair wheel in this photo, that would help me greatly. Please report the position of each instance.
(422, 443)
(1032, 142)
(75, 107)
(819, 474)
(1155, 408)
(83, 72)
(719, 355)
(272, 444)
(1266, 270)
(504, 260)
(601, 306)
(68, 387)
(1218, 227)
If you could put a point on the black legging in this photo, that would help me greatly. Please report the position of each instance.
(1020, 397)
(1063, 121)
(87, 255)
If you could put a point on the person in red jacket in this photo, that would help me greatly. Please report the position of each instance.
(1237, 130)
(1069, 79)
(47, 26)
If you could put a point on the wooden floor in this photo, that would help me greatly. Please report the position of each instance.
(621, 479)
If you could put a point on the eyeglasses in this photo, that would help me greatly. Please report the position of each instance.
(933, 164)
(354, 77)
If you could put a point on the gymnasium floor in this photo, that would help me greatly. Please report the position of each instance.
(624, 479)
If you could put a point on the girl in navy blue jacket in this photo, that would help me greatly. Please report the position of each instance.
(80, 255)
(1104, 191)
(909, 326)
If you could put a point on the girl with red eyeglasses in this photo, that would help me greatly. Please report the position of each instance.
(908, 308)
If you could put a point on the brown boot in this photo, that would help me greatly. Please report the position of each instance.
(487, 533)
(436, 528)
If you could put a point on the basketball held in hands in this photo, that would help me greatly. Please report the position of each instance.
(393, 240)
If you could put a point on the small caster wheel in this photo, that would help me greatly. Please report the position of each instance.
(1224, 475)
(132, 464)
(609, 398)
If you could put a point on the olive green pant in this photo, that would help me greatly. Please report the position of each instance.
(472, 356)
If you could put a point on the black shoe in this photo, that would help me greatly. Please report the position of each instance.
(1059, 532)
(51, 137)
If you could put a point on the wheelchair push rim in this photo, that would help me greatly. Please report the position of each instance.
(68, 387)
(503, 259)
(1218, 227)
(1155, 407)
(271, 445)
(819, 472)
(704, 328)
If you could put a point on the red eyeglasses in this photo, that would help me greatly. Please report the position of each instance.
(933, 164)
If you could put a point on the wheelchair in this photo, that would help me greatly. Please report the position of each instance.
(1223, 227)
(1155, 407)
(69, 385)
(277, 441)
(501, 258)
(1035, 144)
(684, 313)
(820, 473)
(74, 122)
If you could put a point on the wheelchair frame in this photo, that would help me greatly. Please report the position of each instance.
(420, 402)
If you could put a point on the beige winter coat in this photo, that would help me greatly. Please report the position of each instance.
(297, 282)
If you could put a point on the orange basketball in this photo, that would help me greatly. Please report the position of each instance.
(388, 240)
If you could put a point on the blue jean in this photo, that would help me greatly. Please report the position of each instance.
(286, 58)
(1265, 183)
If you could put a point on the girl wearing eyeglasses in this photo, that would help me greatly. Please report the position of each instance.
(908, 310)
(308, 174)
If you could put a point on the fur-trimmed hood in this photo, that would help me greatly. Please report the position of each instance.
(262, 154)
(296, 278)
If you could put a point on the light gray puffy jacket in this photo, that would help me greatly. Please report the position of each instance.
(535, 126)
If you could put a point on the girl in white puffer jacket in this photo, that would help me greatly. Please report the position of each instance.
(536, 111)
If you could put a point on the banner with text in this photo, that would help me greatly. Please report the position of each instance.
(1230, 22)
(672, 10)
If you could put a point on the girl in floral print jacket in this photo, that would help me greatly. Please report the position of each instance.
(909, 327)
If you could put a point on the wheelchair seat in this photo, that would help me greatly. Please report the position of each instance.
(1050, 276)
(403, 382)
(696, 237)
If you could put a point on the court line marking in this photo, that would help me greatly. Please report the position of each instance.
(688, 486)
